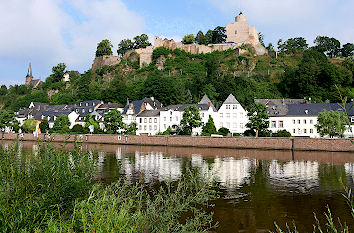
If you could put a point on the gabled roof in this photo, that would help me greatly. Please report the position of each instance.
(279, 107)
(149, 113)
(181, 107)
(231, 100)
(205, 100)
(138, 104)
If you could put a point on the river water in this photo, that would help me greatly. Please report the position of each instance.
(257, 187)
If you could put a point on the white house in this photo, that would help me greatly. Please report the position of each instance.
(232, 116)
(148, 122)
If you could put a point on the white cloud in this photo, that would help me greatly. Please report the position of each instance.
(45, 32)
(288, 18)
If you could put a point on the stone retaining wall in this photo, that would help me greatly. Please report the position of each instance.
(302, 144)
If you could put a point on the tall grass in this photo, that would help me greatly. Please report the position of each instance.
(54, 191)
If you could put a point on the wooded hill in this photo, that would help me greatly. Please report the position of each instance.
(185, 78)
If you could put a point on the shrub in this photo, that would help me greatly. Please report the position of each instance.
(282, 133)
(223, 131)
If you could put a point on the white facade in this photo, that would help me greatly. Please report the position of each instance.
(298, 126)
(232, 116)
(148, 124)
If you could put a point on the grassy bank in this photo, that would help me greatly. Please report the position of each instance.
(54, 191)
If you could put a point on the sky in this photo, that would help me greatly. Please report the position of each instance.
(47, 32)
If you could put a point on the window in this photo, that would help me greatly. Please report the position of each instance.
(171, 113)
(299, 131)
(274, 124)
(165, 126)
(164, 118)
(139, 127)
(228, 115)
(298, 121)
(170, 118)
(311, 130)
(150, 127)
(203, 114)
(150, 120)
(294, 122)
(221, 115)
(155, 127)
(234, 106)
(155, 120)
(86, 104)
(281, 124)
(144, 127)
(83, 110)
(176, 118)
(241, 125)
(305, 130)
(90, 110)
(311, 122)
(305, 121)
(294, 131)
(227, 106)
(234, 115)
(145, 120)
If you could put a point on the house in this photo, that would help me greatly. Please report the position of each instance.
(232, 116)
(131, 110)
(148, 122)
(29, 79)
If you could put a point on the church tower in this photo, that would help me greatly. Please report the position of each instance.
(29, 76)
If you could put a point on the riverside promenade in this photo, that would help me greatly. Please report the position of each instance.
(299, 144)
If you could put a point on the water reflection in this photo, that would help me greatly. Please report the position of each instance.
(258, 187)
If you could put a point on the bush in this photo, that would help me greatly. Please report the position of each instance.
(223, 131)
(79, 129)
(282, 133)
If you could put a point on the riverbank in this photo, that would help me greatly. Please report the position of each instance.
(299, 144)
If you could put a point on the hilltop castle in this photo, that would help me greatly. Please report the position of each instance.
(238, 33)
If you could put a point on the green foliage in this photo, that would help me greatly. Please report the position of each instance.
(292, 45)
(332, 123)
(219, 35)
(328, 45)
(348, 50)
(258, 118)
(209, 128)
(200, 38)
(91, 120)
(113, 121)
(29, 126)
(141, 41)
(6, 117)
(188, 39)
(191, 119)
(224, 131)
(261, 38)
(131, 129)
(15, 126)
(3, 90)
(79, 129)
(58, 72)
(282, 133)
(209, 37)
(61, 124)
(166, 132)
(36, 189)
(104, 48)
(124, 46)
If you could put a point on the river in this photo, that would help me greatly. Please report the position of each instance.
(257, 187)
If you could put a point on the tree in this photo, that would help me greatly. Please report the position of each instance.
(209, 128)
(131, 129)
(200, 38)
(209, 37)
(223, 131)
(124, 46)
(332, 123)
(44, 125)
(282, 133)
(330, 46)
(191, 119)
(141, 41)
(113, 121)
(258, 117)
(270, 47)
(292, 45)
(62, 124)
(3, 90)
(58, 72)
(219, 35)
(29, 126)
(261, 38)
(6, 117)
(79, 129)
(104, 48)
(347, 50)
(188, 39)
(91, 120)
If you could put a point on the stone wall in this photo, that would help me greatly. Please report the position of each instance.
(301, 144)
(99, 62)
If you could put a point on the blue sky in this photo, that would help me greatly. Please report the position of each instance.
(46, 32)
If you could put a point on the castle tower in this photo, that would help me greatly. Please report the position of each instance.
(29, 76)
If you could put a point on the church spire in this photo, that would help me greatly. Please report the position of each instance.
(29, 73)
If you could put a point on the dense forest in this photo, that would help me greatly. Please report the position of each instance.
(298, 71)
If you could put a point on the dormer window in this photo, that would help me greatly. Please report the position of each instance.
(306, 111)
(83, 110)
(86, 104)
